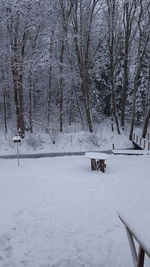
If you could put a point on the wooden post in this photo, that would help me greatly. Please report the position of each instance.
(137, 139)
(18, 155)
(93, 165)
(134, 137)
(144, 144)
(148, 136)
(140, 141)
(148, 146)
(101, 165)
(132, 247)
(141, 257)
(17, 140)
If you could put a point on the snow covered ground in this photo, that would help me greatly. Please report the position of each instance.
(72, 140)
(55, 212)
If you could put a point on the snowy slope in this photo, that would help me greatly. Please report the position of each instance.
(40, 142)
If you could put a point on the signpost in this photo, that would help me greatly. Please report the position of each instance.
(17, 140)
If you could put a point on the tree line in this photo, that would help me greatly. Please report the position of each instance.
(74, 61)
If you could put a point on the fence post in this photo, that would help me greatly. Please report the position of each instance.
(140, 141)
(144, 144)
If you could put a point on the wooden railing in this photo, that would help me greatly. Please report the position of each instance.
(141, 142)
(148, 136)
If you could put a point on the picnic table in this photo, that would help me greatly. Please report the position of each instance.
(137, 224)
(97, 160)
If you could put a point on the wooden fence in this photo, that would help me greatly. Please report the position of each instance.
(143, 143)
(148, 136)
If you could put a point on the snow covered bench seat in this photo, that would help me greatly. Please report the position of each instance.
(97, 160)
(137, 223)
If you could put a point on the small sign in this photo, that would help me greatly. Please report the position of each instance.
(17, 139)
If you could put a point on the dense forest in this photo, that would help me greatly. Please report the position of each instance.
(74, 61)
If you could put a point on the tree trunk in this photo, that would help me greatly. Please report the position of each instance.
(18, 98)
(61, 93)
(88, 111)
(134, 101)
(17, 72)
(21, 109)
(4, 100)
(113, 87)
(79, 108)
(112, 56)
(126, 62)
(49, 94)
(30, 102)
(114, 108)
(50, 80)
(5, 109)
(146, 121)
(141, 53)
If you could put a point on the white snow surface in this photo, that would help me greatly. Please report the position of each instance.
(71, 141)
(56, 212)
(92, 155)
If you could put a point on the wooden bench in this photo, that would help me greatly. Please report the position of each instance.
(137, 224)
(97, 160)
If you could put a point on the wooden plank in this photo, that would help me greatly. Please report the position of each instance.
(93, 165)
(138, 261)
(101, 165)
(132, 247)
(140, 142)
(128, 152)
(141, 256)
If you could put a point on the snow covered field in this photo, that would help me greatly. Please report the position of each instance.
(55, 212)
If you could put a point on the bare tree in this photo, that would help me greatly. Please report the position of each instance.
(83, 20)
(18, 39)
(112, 20)
(146, 121)
(143, 39)
(129, 12)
